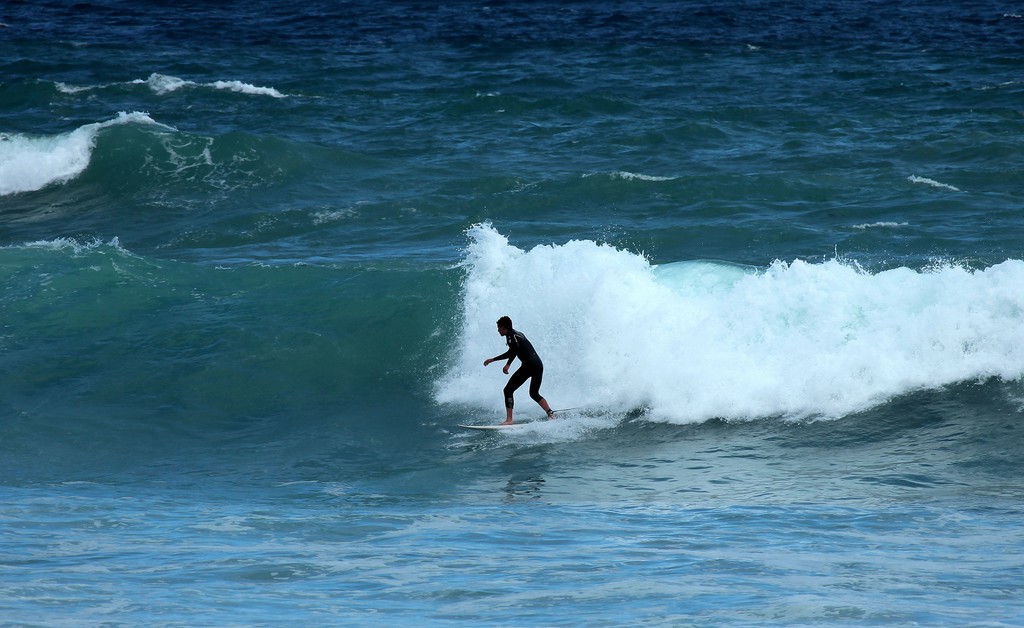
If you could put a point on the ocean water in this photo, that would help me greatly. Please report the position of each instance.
(772, 255)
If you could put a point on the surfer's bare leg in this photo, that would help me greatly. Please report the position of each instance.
(508, 416)
(544, 404)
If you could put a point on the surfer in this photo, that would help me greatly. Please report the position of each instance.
(530, 368)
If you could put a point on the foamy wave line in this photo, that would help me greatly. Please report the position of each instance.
(65, 88)
(630, 176)
(163, 84)
(329, 216)
(29, 163)
(70, 244)
(881, 225)
(933, 183)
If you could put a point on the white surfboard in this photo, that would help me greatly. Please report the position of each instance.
(492, 427)
(502, 426)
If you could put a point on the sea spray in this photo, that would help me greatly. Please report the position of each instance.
(698, 340)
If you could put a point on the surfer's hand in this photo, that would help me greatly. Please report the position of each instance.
(505, 370)
(487, 361)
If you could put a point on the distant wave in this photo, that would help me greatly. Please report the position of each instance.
(64, 88)
(29, 163)
(143, 154)
(933, 183)
(164, 84)
(161, 84)
(72, 245)
(880, 225)
(630, 176)
(693, 341)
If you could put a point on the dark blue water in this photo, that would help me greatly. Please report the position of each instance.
(252, 254)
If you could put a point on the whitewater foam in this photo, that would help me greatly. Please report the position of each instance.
(246, 88)
(29, 163)
(162, 84)
(631, 176)
(881, 225)
(568, 427)
(933, 183)
(65, 88)
(71, 244)
(692, 341)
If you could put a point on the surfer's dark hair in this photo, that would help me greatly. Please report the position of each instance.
(505, 322)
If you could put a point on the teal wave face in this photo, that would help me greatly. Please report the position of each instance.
(132, 153)
(122, 350)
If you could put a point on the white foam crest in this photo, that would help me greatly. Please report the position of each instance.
(336, 215)
(632, 176)
(933, 183)
(71, 244)
(881, 225)
(162, 84)
(29, 163)
(246, 88)
(697, 340)
(65, 88)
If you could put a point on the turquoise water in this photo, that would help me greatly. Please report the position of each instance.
(251, 256)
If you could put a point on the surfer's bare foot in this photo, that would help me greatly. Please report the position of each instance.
(508, 422)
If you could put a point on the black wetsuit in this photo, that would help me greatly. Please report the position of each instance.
(531, 368)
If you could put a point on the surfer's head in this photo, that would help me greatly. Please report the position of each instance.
(504, 325)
